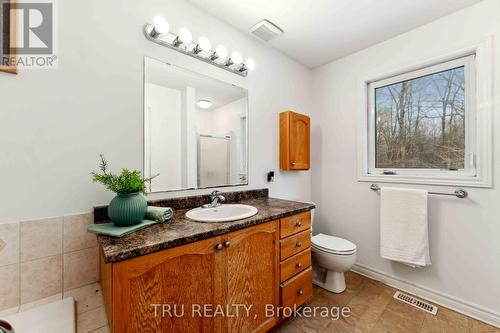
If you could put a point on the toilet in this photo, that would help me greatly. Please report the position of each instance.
(332, 256)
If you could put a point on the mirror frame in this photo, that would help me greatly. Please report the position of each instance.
(247, 182)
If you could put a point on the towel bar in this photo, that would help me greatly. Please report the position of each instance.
(459, 193)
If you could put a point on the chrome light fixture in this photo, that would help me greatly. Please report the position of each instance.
(182, 42)
(160, 26)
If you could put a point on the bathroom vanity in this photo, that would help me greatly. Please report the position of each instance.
(217, 277)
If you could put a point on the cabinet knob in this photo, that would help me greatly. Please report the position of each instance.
(298, 265)
(218, 246)
(293, 163)
(227, 244)
(298, 223)
(298, 244)
(300, 292)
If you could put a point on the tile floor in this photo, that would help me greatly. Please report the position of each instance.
(90, 313)
(373, 310)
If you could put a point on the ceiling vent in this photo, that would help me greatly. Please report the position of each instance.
(266, 30)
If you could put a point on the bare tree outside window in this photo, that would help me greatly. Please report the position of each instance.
(420, 123)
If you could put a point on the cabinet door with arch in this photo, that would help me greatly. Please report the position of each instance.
(252, 264)
(299, 141)
(159, 292)
(295, 141)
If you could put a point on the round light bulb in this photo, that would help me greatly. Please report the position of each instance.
(185, 36)
(204, 44)
(161, 25)
(250, 64)
(221, 51)
(236, 58)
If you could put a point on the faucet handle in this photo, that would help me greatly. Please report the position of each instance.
(215, 194)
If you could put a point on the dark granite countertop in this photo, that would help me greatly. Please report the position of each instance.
(180, 230)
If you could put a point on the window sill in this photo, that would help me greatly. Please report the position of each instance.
(405, 179)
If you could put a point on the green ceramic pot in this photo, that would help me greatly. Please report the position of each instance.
(127, 209)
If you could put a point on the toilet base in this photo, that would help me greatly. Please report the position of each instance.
(333, 281)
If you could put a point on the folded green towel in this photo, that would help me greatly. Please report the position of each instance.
(109, 229)
(159, 214)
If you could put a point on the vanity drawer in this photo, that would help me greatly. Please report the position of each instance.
(295, 223)
(297, 290)
(295, 244)
(295, 264)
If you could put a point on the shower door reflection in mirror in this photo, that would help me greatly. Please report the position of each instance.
(195, 129)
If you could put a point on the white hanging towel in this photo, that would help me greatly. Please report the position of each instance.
(404, 233)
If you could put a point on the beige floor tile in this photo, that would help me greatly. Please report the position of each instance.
(104, 329)
(406, 311)
(75, 235)
(393, 322)
(41, 278)
(81, 268)
(446, 321)
(91, 320)
(475, 326)
(41, 238)
(9, 243)
(9, 286)
(87, 297)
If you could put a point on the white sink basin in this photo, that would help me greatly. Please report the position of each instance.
(223, 213)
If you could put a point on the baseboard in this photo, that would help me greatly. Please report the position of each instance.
(467, 308)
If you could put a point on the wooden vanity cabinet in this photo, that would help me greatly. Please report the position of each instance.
(240, 267)
(295, 141)
(295, 256)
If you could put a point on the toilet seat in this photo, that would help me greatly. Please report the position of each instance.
(332, 244)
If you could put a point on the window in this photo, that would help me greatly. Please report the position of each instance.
(422, 126)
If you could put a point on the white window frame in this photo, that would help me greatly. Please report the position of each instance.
(477, 172)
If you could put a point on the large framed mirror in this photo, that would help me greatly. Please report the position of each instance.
(195, 129)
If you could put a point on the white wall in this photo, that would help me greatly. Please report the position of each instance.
(54, 123)
(228, 121)
(464, 234)
(163, 137)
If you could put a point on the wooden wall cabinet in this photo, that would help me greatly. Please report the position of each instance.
(295, 141)
(244, 271)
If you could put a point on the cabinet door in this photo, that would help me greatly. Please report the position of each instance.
(299, 141)
(177, 280)
(252, 272)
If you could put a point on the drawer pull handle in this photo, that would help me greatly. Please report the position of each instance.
(227, 244)
(298, 224)
(298, 244)
(298, 265)
(218, 246)
(300, 292)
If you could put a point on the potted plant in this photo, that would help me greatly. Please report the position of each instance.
(129, 205)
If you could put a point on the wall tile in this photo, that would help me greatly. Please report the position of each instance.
(81, 268)
(9, 286)
(41, 238)
(9, 243)
(75, 235)
(41, 278)
(40, 302)
(87, 297)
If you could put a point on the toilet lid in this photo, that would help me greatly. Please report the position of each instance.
(333, 244)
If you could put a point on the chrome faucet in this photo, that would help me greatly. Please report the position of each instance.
(5, 327)
(216, 198)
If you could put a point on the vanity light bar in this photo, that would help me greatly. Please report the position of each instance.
(182, 42)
